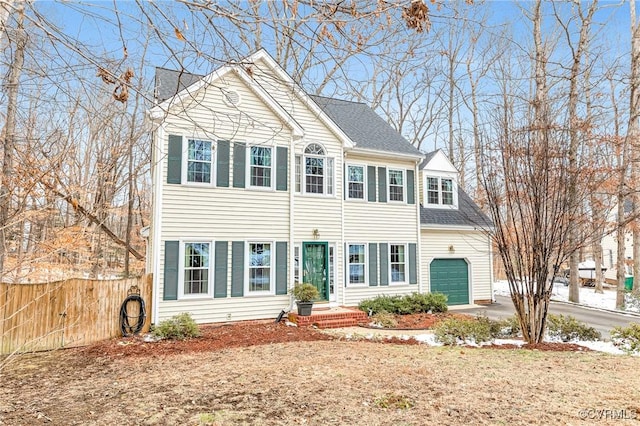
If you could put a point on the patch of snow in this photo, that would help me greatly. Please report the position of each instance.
(588, 296)
(600, 346)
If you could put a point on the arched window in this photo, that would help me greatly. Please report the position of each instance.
(318, 170)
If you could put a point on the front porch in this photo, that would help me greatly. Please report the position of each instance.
(330, 318)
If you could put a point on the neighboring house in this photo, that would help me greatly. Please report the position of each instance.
(610, 244)
(257, 185)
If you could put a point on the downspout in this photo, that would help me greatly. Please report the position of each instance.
(157, 161)
(418, 179)
(341, 248)
(292, 191)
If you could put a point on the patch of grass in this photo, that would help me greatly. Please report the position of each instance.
(394, 401)
(178, 327)
(410, 304)
(567, 328)
(627, 338)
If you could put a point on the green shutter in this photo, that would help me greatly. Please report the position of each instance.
(174, 159)
(171, 257)
(382, 184)
(222, 166)
(373, 264)
(384, 264)
(237, 268)
(371, 183)
(221, 266)
(239, 164)
(282, 161)
(411, 196)
(281, 267)
(413, 264)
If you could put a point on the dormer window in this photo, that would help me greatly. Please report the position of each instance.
(441, 192)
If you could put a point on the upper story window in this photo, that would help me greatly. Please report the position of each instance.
(318, 171)
(396, 185)
(440, 191)
(199, 161)
(260, 166)
(355, 184)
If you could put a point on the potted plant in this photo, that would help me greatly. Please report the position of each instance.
(304, 294)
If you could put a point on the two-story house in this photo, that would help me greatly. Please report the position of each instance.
(257, 185)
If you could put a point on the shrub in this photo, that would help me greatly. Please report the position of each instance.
(455, 330)
(410, 304)
(384, 319)
(568, 328)
(506, 328)
(631, 302)
(178, 327)
(627, 338)
(305, 292)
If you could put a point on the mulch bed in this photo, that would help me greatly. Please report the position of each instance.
(252, 333)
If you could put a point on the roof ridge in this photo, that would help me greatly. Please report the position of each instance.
(337, 99)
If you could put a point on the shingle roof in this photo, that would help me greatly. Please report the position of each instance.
(364, 127)
(428, 157)
(467, 214)
(170, 82)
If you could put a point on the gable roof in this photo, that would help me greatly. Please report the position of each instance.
(467, 214)
(366, 128)
(171, 82)
(355, 120)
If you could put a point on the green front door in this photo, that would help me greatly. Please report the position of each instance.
(315, 267)
(451, 277)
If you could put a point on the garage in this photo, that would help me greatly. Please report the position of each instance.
(451, 277)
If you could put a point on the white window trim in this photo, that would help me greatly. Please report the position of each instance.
(248, 169)
(366, 265)
(406, 264)
(181, 270)
(303, 172)
(364, 182)
(272, 269)
(454, 206)
(185, 162)
(404, 186)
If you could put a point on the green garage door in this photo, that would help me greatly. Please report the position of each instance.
(451, 277)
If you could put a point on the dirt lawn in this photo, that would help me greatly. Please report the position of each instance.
(299, 377)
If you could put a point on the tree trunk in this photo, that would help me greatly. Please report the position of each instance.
(9, 140)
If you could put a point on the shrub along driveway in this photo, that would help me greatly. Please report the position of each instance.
(601, 320)
(301, 380)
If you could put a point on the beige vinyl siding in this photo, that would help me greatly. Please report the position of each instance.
(473, 246)
(354, 295)
(376, 221)
(210, 213)
(209, 309)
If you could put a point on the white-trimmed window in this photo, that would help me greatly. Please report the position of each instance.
(357, 263)
(196, 267)
(441, 191)
(332, 272)
(260, 268)
(318, 171)
(298, 173)
(296, 264)
(355, 182)
(260, 166)
(398, 262)
(200, 161)
(396, 185)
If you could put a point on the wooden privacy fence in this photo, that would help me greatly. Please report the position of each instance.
(67, 313)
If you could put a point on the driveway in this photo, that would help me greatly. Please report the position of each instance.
(601, 320)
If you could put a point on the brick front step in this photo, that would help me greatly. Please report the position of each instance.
(327, 319)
